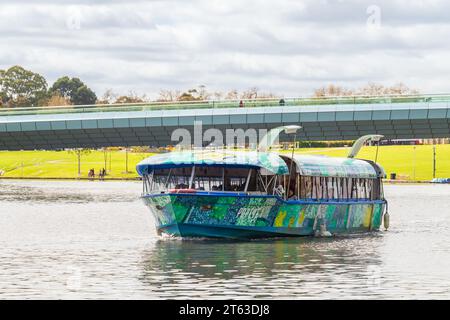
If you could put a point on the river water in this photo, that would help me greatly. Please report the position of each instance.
(69, 239)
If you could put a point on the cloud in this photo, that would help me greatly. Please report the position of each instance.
(287, 47)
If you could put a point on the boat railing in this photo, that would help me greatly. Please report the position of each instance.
(205, 192)
(191, 192)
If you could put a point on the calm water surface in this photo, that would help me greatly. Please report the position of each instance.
(63, 240)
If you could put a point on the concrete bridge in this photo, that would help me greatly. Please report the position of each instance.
(151, 124)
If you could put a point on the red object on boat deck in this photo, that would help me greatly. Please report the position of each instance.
(182, 191)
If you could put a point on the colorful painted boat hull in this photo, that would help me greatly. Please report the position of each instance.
(238, 216)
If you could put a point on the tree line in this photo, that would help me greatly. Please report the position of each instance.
(371, 89)
(24, 88)
(21, 88)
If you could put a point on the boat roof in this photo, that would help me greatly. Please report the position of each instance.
(323, 166)
(307, 165)
(271, 162)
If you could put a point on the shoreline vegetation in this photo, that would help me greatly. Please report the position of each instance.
(22, 88)
(409, 163)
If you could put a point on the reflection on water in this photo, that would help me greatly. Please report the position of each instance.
(261, 269)
(67, 239)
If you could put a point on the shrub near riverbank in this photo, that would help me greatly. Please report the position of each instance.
(408, 162)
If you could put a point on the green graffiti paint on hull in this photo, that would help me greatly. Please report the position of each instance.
(253, 211)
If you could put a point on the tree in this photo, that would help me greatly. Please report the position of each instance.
(168, 95)
(377, 89)
(84, 95)
(218, 95)
(195, 94)
(131, 98)
(74, 90)
(232, 95)
(108, 97)
(56, 100)
(370, 89)
(22, 88)
(128, 99)
(187, 96)
(2, 94)
(79, 152)
(251, 93)
(202, 93)
(332, 91)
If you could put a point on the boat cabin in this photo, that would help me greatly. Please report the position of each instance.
(324, 178)
(312, 178)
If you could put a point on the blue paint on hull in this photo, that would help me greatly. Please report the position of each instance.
(227, 232)
(221, 216)
(240, 232)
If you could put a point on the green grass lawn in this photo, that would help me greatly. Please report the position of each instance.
(409, 162)
(62, 164)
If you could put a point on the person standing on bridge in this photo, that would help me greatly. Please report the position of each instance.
(241, 104)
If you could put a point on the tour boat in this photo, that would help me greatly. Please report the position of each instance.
(263, 194)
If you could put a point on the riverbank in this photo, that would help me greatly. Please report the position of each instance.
(112, 179)
(96, 179)
(410, 163)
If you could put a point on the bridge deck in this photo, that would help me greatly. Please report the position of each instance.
(153, 124)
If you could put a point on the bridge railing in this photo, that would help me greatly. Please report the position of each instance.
(216, 104)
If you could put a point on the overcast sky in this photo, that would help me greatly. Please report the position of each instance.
(287, 47)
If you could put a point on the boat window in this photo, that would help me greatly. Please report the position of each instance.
(221, 179)
(336, 188)
(202, 179)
